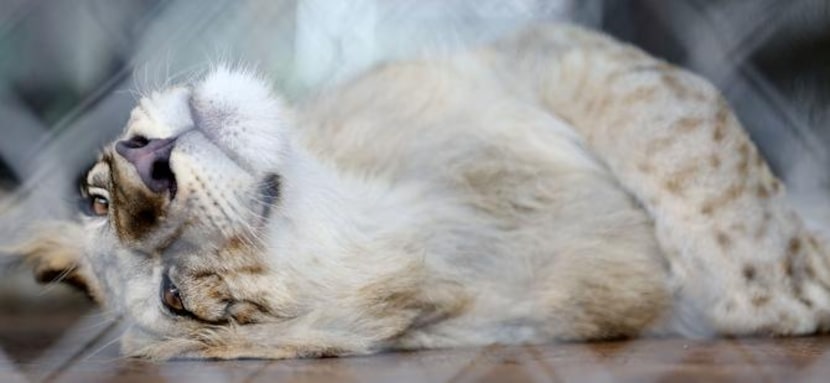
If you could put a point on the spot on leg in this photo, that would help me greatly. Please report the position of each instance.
(658, 144)
(714, 161)
(730, 194)
(670, 81)
(794, 246)
(677, 181)
(743, 163)
(645, 94)
(760, 300)
(673, 186)
(776, 186)
(789, 263)
(687, 124)
(719, 133)
(749, 273)
(721, 117)
(762, 192)
(723, 240)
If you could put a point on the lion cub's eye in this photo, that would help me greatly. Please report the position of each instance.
(171, 298)
(94, 204)
(99, 205)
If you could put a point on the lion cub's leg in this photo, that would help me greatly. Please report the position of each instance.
(742, 261)
(55, 254)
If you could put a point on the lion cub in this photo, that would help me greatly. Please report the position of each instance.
(556, 185)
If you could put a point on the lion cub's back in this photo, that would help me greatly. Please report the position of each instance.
(412, 118)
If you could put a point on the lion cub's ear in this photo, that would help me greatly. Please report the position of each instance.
(55, 253)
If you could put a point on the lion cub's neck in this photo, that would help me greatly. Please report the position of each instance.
(326, 220)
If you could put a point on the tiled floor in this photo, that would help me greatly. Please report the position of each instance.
(68, 346)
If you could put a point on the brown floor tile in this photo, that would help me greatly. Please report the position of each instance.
(87, 352)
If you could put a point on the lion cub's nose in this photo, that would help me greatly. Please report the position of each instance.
(151, 158)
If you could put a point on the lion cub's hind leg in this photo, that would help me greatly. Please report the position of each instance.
(742, 261)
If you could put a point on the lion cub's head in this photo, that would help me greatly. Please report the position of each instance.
(174, 209)
(217, 234)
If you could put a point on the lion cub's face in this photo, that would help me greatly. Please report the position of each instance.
(178, 203)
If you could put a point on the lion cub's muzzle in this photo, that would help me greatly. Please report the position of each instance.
(143, 188)
(151, 158)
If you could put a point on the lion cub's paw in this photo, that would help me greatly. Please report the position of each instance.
(208, 297)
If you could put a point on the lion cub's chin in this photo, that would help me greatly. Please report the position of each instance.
(237, 111)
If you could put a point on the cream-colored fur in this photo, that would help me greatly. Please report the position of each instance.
(557, 185)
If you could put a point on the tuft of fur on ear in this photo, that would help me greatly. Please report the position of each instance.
(55, 254)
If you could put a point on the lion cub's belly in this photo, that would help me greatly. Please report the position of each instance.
(547, 242)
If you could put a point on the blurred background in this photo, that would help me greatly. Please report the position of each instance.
(70, 71)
